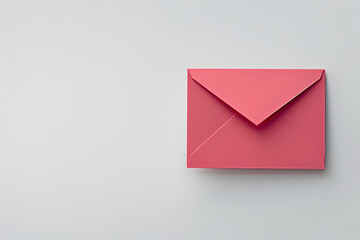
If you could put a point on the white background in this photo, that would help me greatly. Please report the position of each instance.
(93, 121)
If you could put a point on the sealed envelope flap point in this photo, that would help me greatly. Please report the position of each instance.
(256, 93)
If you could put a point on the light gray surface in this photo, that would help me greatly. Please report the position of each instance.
(93, 121)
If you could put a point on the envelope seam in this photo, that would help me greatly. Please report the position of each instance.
(223, 125)
(299, 134)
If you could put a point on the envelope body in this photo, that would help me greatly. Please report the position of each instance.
(256, 118)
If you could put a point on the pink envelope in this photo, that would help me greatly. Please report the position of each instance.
(256, 118)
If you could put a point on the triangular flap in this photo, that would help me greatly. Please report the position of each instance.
(256, 93)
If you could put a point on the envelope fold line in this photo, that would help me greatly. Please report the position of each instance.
(230, 131)
(207, 139)
(300, 135)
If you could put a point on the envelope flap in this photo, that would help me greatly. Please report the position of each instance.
(256, 93)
